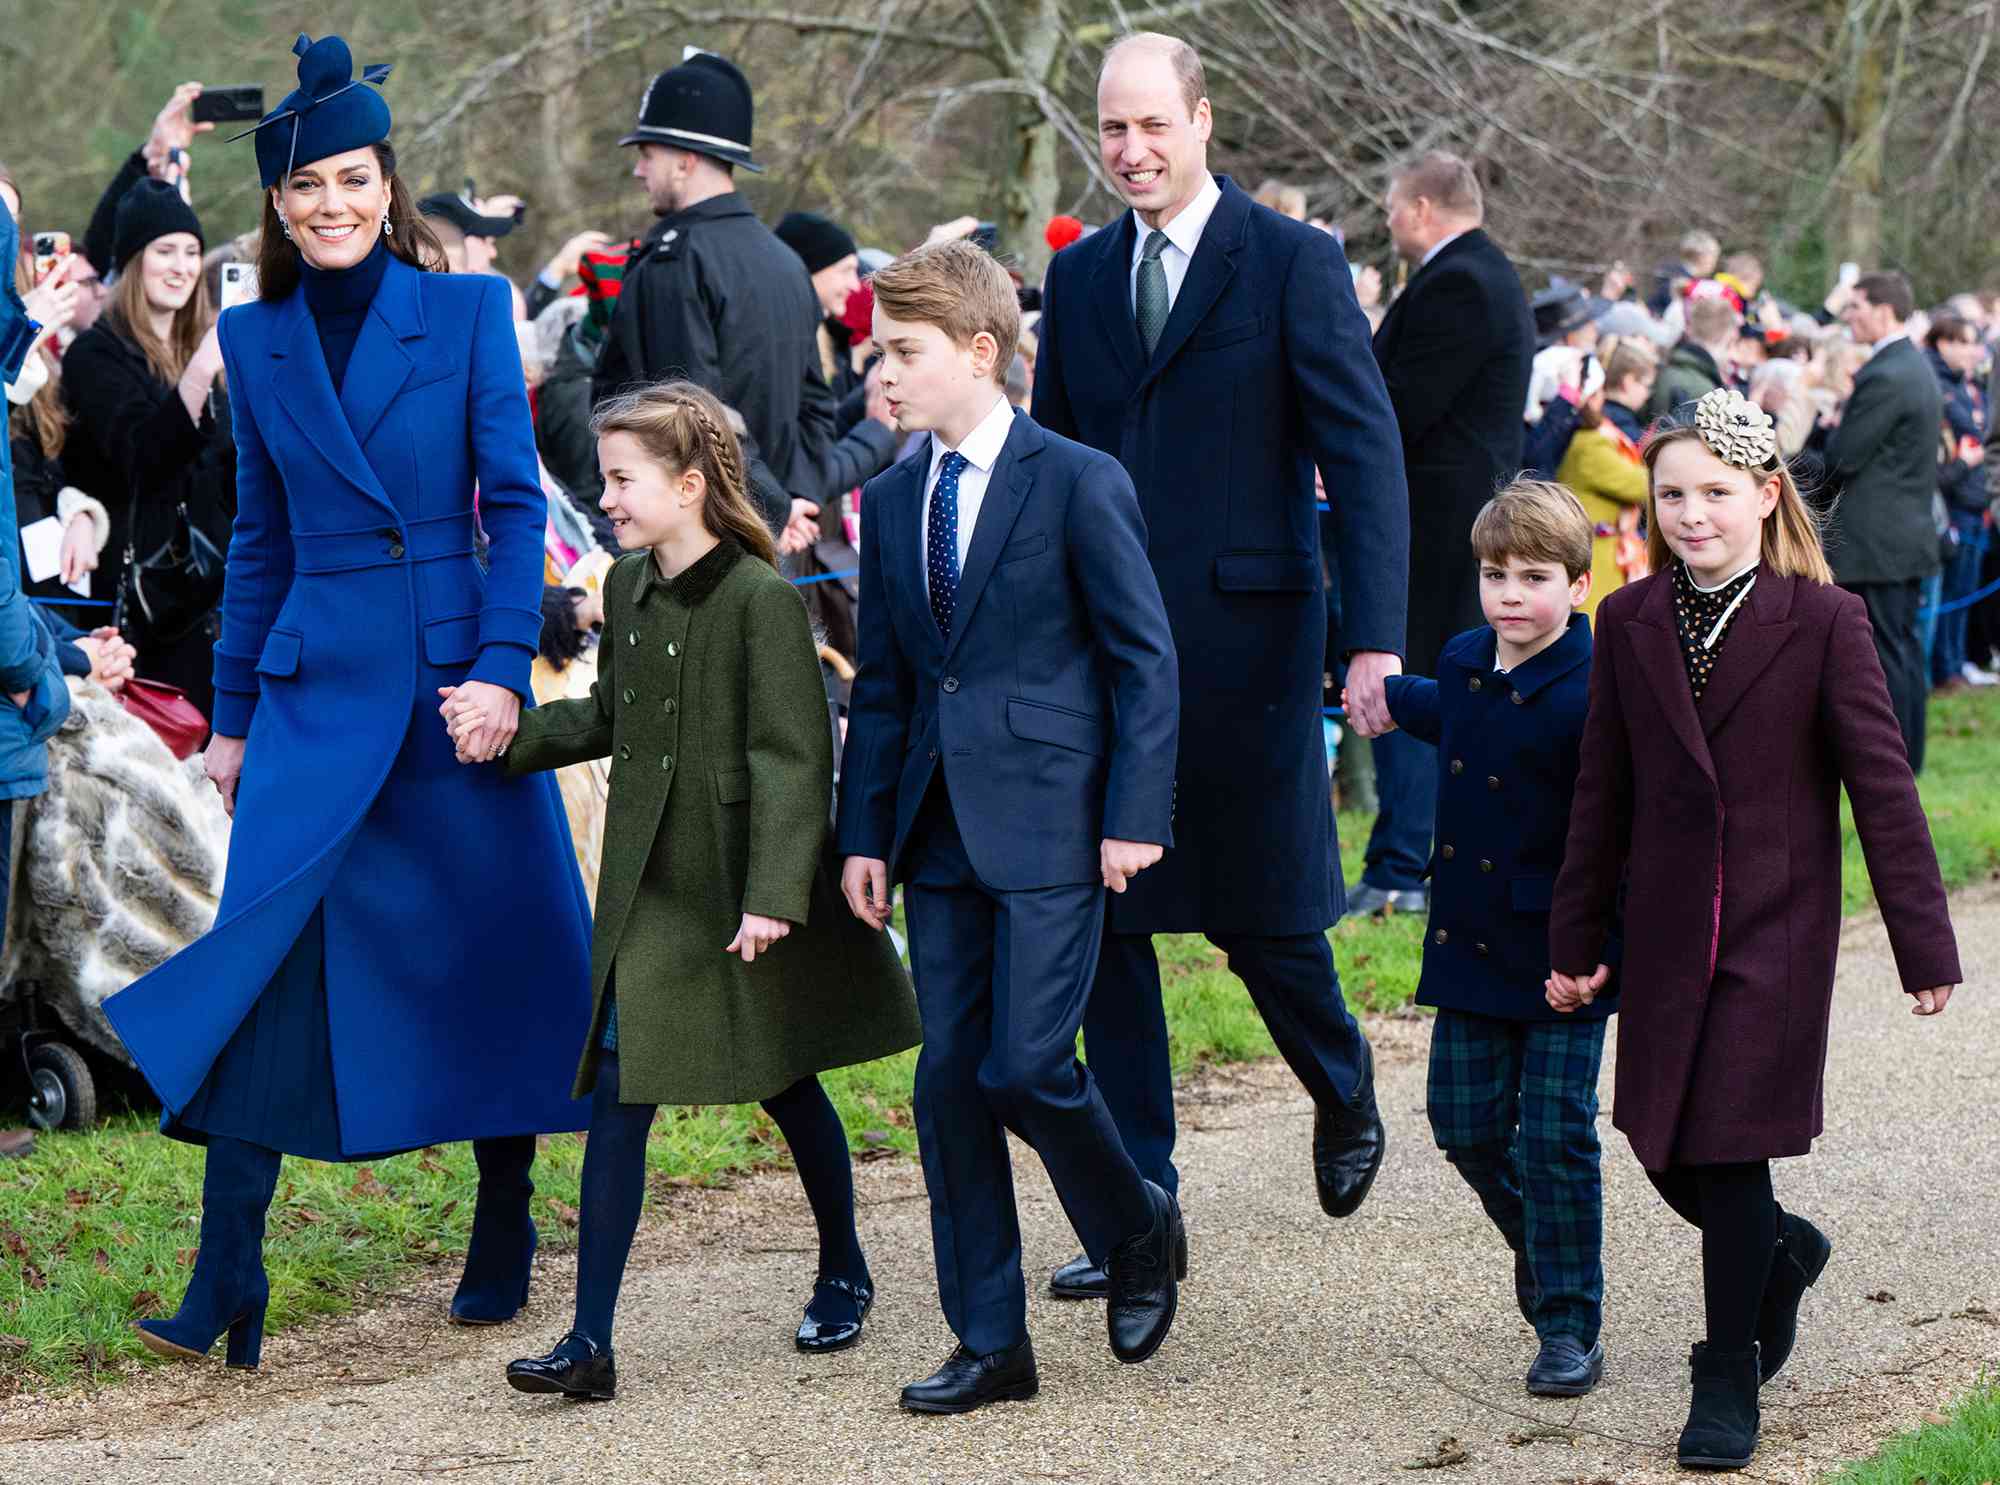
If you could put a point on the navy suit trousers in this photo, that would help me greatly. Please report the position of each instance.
(1293, 984)
(1001, 980)
(1399, 847)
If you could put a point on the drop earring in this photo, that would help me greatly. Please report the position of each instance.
(388, 227)
(286, 228)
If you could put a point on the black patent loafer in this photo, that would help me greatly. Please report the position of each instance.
(1144, 1272)
(1348, 1145)
(1800, 1259)
(1565, 1369)
(966, 1381)
(1079, 1279)
(817, 1333)
(577, 1368)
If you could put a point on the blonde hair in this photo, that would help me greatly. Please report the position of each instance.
(1286, 200)
(1447, 180)
(1790, 544)
(957, 287)
(682, 428)
(1534, 521)
(167, 357)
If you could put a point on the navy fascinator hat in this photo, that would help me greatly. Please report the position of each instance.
(330, 112)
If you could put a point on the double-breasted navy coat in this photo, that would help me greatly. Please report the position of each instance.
(1263, 371)
(457, 962)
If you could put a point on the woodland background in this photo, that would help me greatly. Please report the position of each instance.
(1809, 131)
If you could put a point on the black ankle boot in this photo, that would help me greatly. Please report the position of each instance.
(499, 1260)
(1721, 1432)
(228, 1291)
(1796, 1264)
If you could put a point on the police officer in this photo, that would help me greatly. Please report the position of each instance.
(713, 296)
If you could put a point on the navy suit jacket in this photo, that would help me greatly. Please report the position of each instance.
(1508, 752)
(1053, 711)
(1263, 372)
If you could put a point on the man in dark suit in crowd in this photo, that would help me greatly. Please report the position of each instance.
(1216, 349)
(1455, 350)
(1882, 463)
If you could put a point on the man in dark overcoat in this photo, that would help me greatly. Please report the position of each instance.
(1455, 350)
(713, 296)
(1215, 348)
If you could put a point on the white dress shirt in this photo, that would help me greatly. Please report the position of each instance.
(981, 448)
(1183, 237)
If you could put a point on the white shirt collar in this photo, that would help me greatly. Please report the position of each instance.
(1718, 587)
(1439, 246)
(983, 444)
(1184, 231)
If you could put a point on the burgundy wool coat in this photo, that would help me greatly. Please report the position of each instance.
(1727, 818)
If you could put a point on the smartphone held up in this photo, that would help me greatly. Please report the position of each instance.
(50, 249)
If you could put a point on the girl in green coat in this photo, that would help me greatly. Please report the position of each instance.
(724, 969)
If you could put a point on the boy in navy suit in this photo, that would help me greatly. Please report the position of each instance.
(1513, 1084)
(1010, 757)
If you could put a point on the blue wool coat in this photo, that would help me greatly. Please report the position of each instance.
(1507, 765)
(457, 935)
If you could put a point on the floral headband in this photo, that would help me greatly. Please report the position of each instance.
(1736, 430)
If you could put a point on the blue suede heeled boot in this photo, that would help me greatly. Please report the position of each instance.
(501, 1257)
(228, 1291)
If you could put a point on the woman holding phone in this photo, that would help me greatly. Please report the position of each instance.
(372, 983)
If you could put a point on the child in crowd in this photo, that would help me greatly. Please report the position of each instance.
(725, 969)
(1513, 1084)
(1733, 694)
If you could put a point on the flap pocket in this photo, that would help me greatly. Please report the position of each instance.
(1027, 546)
(1056, 724)
(1533, 894)
(452, 641)
(1223, 335)
(732, 785)
(1267, 572)
(423, 376)
(281, 653)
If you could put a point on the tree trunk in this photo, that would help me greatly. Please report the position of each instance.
(1860, 220)
(1032, 189)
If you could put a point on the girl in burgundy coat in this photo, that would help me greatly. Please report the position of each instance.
(1732, 695)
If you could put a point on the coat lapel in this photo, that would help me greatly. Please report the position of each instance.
(380, 365)
(1657, 646)
(900, 509)
(1110, 290)
(1006, 493)
(304, 389)
(1209, 273)
(1749, 649)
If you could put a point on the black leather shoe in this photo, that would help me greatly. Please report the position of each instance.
(1796, 1266)
(834, 1315)
(1565, 1369)
(1527, 1292)
(966, 1381)
(1144, 1277)
(1079, 1279)
(577, 1368)
(1723, 1418)
(1348, 1144)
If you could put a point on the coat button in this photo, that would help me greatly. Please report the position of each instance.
(1486, 866)
(1492, 782)
(1515, 697)
(933, 755)
(630, 696)
(950, 684)
(1440, 937)
(624, 750)
(1458, 765)
(673, 648)
(1473, 684)
(667, 763)
(1481, 948)
(672, 706)
(396, 549)
(632, 638)
(1448, 852)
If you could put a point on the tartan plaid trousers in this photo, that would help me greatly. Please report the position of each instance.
(1513, 1106)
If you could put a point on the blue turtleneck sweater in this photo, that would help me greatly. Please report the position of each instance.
(339, 300)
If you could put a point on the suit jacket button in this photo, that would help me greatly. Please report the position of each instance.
(1482, 950)
(1515, 697)
(1492, 782)
(1486, 866)
(950, 684)
(933, 755)
(630, 696)
(1458, 765)
(1448, 852)
(1473, 684)
(1440, 937)
(624, 750)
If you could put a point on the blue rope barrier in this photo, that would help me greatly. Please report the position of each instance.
(825, 577)
(1976, 596)
(75, 602)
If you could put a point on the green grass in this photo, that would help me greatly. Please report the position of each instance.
(99, 1228)
(1964, 1449)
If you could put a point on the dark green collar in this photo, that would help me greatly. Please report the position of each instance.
(697, 582)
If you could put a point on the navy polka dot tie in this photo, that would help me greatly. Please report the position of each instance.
(941, 542)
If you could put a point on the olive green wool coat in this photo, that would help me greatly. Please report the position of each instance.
(710, 705)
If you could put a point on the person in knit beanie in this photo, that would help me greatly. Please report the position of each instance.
(834, 263)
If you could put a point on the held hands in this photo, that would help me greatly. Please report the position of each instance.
(864, 882)
(755, 934)
(482, 717)
(222, 761)
(1118, 861)
(1569, 992)
(1367, 699)
(1932, 1002)
(112, 661)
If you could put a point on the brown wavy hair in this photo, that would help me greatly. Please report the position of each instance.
(683, 427)
(412, 241)
(167, 357)
(1790, 545)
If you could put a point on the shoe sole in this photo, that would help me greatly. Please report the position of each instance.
(1564, 1389)
(1709, 1462)
(1018, 1393)
(470, 1323)
(1076, 1294)
(542, 1387)
(827, 1350)
(159, 1345)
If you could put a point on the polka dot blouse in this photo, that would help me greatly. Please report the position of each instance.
(1704, 620)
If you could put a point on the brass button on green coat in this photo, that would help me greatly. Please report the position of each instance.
(721, 828)
(630, 696)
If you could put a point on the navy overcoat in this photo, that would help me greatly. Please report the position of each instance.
(1263, 370)
(457, 933)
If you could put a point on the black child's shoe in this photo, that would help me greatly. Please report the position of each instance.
(577, 1368)
(1565, 1369)
(1800, 1259)
(835, 1315)
(1721, 1432)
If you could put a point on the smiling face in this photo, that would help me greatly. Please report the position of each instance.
(835, 282)
(1710, 514)
(335, 208)
(647, 502)
(1528, 604)
(931, 384)
(1154, 149)
(169, 270)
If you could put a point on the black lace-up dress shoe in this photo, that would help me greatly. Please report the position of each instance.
(1144, 1272)
(1079, 1279)
(966, 1381)
(578, 1368)
(835, 1315)
(1348, 1144)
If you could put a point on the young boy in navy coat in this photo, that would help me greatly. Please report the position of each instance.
(1513, 1084)
(1010, 757)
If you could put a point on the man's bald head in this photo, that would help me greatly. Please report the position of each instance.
(1183, 59)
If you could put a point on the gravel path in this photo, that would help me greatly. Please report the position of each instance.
(1306, 1350)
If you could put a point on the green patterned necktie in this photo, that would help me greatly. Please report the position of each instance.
(1152, 300)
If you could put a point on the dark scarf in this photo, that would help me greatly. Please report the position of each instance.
(1696, 614)
(339, 300)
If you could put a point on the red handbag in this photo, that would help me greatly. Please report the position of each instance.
(167, 710)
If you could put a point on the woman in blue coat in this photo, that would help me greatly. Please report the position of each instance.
(401, 956)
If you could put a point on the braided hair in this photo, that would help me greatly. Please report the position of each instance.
(684, 428)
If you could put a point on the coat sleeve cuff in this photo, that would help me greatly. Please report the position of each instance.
(502, 625)
(72, 502)
(505, 665)
(233, 711)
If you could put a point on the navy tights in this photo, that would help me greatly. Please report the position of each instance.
(614, 1186)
